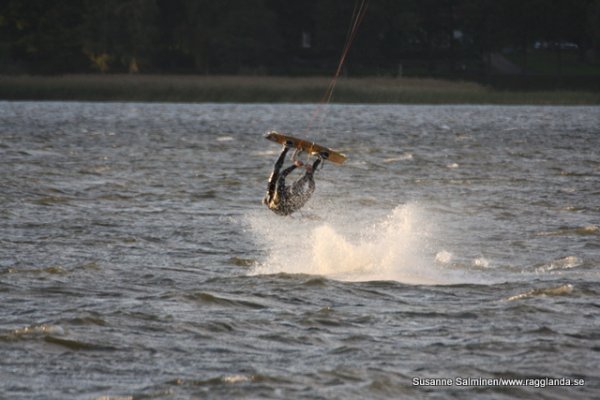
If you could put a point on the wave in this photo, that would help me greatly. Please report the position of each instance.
(562, 290)
(586, 230)
(349, 246)
(560, 264)
(49, 333)
(33, 331)
(211, 299)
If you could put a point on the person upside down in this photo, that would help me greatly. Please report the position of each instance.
(283, 199)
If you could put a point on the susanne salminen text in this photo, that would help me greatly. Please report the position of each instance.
(533, 382)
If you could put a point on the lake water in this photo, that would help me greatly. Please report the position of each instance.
(457, 243)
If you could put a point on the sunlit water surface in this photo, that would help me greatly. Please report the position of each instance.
(137, 261)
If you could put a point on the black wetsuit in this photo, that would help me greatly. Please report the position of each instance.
(282, 199)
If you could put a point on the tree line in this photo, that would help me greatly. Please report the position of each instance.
(287, 37)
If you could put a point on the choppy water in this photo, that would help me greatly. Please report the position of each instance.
(137, 261)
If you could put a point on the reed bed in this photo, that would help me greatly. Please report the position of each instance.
(268, 89)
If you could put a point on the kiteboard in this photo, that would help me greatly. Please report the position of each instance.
(307, 146)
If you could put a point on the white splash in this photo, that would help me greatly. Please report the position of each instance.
(481, 262)
(443, 257)
(352, 248)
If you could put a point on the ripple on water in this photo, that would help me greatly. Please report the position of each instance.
(211, 299)
(562, 290)
(560, 264)
(136, 259)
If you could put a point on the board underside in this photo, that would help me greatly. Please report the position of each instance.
(307, 146)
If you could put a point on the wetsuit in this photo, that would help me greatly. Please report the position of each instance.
(282, 199)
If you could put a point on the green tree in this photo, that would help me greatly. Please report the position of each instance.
(593, 28)
(230, 35)
(120, 35)
(295, 28)
(388, 35)
(41, 36)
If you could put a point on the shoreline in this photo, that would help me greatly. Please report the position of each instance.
(272, 89)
